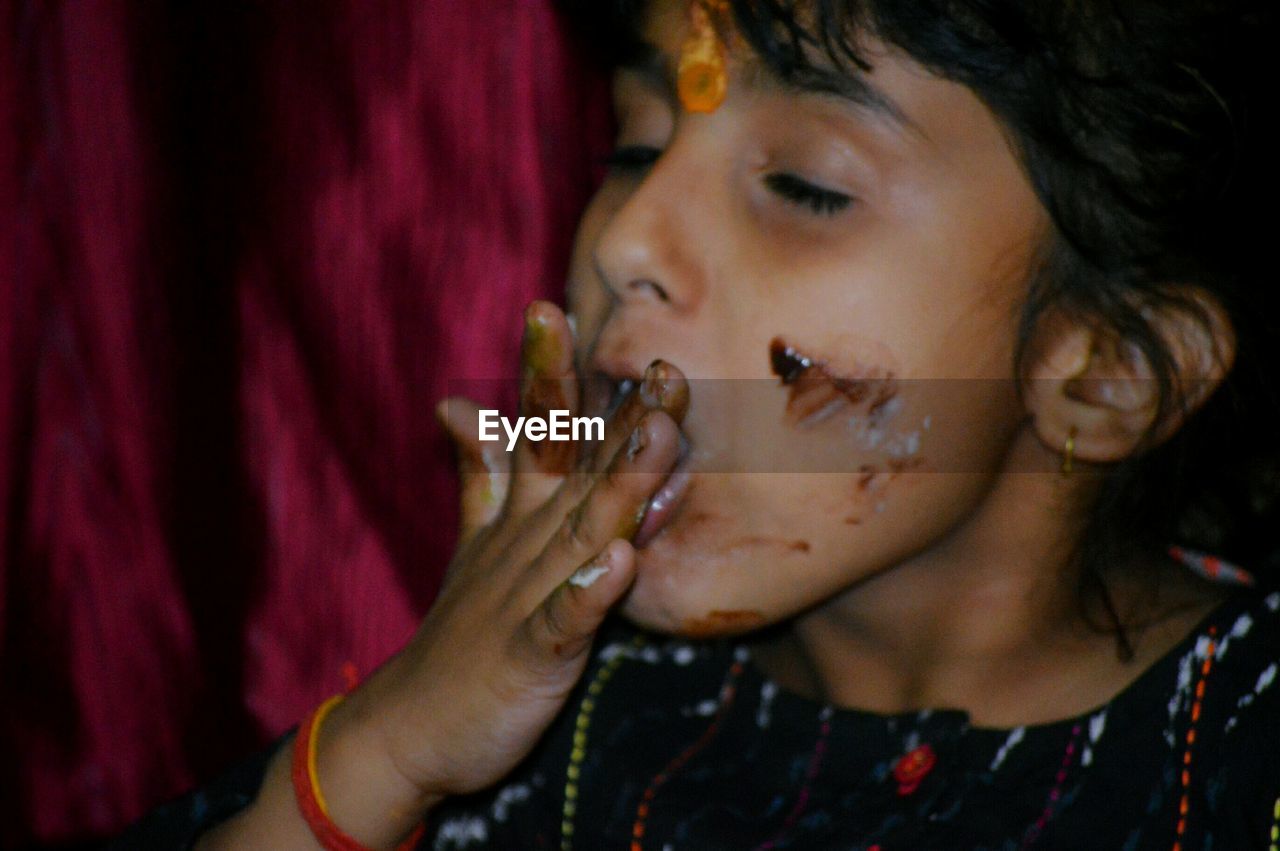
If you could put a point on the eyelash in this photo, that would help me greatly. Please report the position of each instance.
(635, 159)
(824, 202)
(631, 159)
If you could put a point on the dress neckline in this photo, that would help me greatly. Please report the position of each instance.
(1147, 693)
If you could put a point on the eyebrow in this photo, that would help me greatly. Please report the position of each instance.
(853, 88)
(655, 68)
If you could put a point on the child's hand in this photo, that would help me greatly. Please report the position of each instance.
(545, 554)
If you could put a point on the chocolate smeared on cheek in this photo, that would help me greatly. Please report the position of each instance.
(785, 545)
(868, 399)
(881, 406)
(903, 465)
(817, 392)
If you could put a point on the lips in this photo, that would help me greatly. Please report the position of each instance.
(667, 499)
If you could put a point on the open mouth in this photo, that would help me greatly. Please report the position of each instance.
(619, 390)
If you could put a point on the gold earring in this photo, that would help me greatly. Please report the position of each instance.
(1069, 452)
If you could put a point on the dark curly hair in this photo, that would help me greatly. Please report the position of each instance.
(1138, 125)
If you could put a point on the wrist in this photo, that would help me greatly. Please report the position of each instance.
(367, 795)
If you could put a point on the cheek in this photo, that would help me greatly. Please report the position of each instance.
(770, 564)
(752, 548)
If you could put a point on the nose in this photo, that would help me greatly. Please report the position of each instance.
(653, 250)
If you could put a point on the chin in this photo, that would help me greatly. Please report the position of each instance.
(710, 572)
(685, 590)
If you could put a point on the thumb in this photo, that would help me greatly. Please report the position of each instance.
(484, 469)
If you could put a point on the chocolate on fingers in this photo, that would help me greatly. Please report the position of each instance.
(548, 383)
(614, 505)
(661, 387)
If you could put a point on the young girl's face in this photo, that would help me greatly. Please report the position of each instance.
(860, 251)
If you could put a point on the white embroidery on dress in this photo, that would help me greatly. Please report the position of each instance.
(764, 714)
(1183, 689)
(1015, 736)
(514, 794)
(461, 832)
(1239, 629)
(616, 648)
(683, 654)
(1265, 679)
(1097, 724)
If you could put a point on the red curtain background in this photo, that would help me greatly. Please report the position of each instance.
(244, 248)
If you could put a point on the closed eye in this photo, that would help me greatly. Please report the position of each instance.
(632, 159)
(825, 202)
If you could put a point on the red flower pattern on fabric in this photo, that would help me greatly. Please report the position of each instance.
(912, 767)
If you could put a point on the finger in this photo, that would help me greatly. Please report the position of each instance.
(483, 468)
(614, 506)
(563, 626)
(548, 383)
(662, 387)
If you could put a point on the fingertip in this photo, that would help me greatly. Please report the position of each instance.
(450, 408)
(538, 309)
(675, 400)
(441, 412)
(658, 428)
(547, 347)
(620, 554)
(622, 568)
(607, 575)
(618, 548)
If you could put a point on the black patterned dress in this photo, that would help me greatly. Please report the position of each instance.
(679, 745)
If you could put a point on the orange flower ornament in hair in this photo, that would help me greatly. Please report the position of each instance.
(702, 77)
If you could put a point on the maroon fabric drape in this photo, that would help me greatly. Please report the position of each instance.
(246, 248)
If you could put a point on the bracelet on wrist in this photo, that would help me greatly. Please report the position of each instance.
(306, 788)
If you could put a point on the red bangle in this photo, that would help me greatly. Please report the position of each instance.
(306, 789)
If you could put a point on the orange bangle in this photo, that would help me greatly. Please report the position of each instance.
(306, 788)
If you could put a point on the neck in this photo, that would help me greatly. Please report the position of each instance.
(987, 620)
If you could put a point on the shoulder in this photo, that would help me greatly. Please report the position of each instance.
(1232, 668)
(1245, 641)
(1239, 746)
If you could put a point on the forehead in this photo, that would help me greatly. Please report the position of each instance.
(657, 38)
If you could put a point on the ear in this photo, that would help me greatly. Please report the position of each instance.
(1084, 382)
